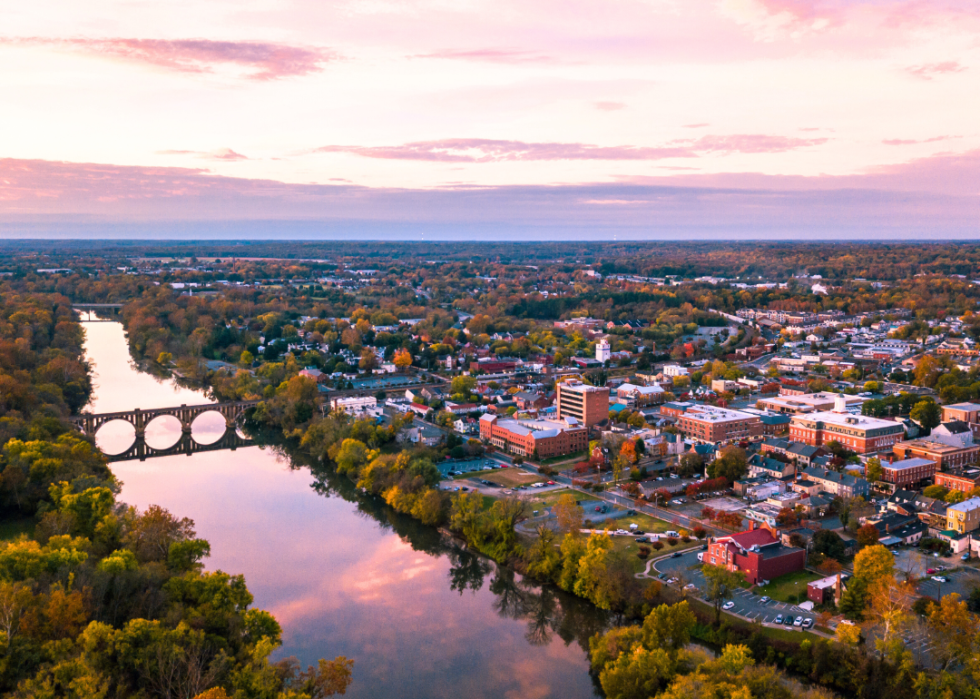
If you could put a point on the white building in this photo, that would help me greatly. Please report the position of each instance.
(673, 370)
(602, 352)
(366, 406)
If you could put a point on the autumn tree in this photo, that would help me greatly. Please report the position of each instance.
(568, 514)
(873, 471)
(403, 359)
(867, 535)
(720, 583)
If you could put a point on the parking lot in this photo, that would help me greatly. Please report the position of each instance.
(961, 579)
(747, 604)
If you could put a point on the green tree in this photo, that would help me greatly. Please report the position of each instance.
(731, 464)
(720, 583)
(927, 414)
(873, 470)
(669, 626)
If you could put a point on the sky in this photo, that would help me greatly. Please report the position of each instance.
(496, 119)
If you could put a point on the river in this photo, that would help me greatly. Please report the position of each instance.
(343, 573)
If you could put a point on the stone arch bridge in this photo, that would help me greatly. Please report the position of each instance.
(89, 423)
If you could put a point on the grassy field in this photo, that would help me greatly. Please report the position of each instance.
(792, 584)
(628, 545)
(13, 528)
(512, 476)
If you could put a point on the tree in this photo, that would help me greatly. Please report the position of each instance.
(873, 470)
(462, 385)
(691, 464)
(369, 360)
(786, 517)
(955, 630)
(700, 532)
(927, 414)
(719, 585)
(164, 358)
(867, 535)
(669, 627)
(731, 464)
(246, 359)
(873, 564)
(569, 514)
(403, 359)
(848, 634)
(829, 544)
(927, 371)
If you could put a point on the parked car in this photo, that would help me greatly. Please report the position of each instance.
(807, 623)
(764, 599)
(728, 605)
(676, 554)
(931, 571)
(798, 621)
(965, 556)
(778, 619)
(940, 578)
(788, 621)
(642, 540)
(691, 587)
(672, 581)
(662, 576)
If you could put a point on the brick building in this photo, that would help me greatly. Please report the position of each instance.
(758, 553)
(587, 404)
(947, 457)
(863, 435)
(711, 425)
(492, 366)
(963, 482)
(547, 438)
(908, 472)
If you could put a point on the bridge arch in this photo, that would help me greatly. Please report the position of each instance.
(210, 426)
(115, 436)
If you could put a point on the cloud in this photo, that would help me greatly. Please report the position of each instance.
(927, 71)
(609, 106)
(934, 197)
(223, 154)
(697, 126)
(265, 61)
(911, 141)
(477, 150)
(488, 55)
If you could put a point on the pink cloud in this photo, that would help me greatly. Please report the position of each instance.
(928, 71)
(225, 154)
(931, 197)
(696, 126)
(477, 150)
(911, 141)
(488, 55)
(609, 106)
(266, 61)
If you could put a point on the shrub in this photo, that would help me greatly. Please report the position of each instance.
(673, 541)
(657, 545)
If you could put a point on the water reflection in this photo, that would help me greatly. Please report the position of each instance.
(344, 574)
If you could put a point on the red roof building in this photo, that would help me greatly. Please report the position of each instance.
(758, 553)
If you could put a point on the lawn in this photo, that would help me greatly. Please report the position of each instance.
(628, 545)
(510, 477)
(566, 458)
(539, 501)
(12, 528)
(792, 584)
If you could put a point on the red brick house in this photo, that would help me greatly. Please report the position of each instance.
(758, 553)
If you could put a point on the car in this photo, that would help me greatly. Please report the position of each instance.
(935, 554)
(728, 605)
(464, 488)
(798, 621)
(675, 502)
(807, 623)
(778, 619)
(940, 578)
(598, 508)
(788, 621)
(965, 556)
(764, 600)
(551, 483)
(690, 586)
(662, 576)
(642, 540)
(621, 532)
(671, 581)
(704, 548)
(639, 532)
(676, 554)
(931, 571)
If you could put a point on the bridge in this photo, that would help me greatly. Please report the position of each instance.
(89, 423)
(230, 440)
(110, 309)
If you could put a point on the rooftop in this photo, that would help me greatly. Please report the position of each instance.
(908, 463)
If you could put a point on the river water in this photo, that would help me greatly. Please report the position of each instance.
(343, 573)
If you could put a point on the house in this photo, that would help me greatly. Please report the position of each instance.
(964, 517)
(954, 433)
(758, 553)
(466, 425)
(839, 484)
(760, 465)
(826, 590)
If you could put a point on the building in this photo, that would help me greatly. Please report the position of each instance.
(602, 352)
(356, 406)
(965, 412)
(964, 482)
(963, 517)
(673, 370)
(907, 472)
(807, 403)
(863, 435)
(492, 366)
(762, 465)
(840, 484)
(774, 425)
(956, 433)
(757, 553)
(634, 396)
(826, 590)
(708, 424)
(540, 439)
(587, 404)
(947, 457)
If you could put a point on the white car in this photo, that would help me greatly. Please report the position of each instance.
(728, 605)
(807, 623)
(940, 578)
(798, 621)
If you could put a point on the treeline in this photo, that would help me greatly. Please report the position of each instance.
(97, 599)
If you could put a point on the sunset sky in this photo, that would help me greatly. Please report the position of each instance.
(494, 118)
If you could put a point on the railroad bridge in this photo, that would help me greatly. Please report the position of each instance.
(90, 423)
